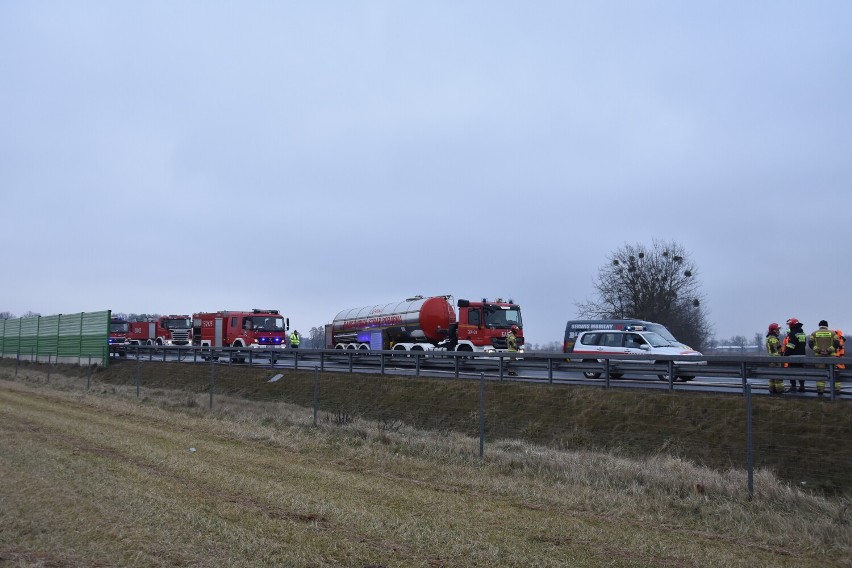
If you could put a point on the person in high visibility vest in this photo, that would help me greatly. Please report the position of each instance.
(795, 343)
(773, 347)
(295, 339)
(824, 343)
(512, 347)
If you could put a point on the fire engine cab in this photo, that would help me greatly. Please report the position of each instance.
(165, 330)
(258, 329)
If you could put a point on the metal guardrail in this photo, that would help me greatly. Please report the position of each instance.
(537, 366)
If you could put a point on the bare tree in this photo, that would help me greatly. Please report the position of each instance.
(657, 284)
(7, 316)
(31, 314)
(739, 341)
(316, 338)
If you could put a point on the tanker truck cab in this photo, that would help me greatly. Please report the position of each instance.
(483, 326)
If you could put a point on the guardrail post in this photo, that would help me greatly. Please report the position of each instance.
(295, 359)
(382, 363)
(212, 380)
(138, 378)
(316, 394)
(349, 352)
(831, 380)
(501, 367)
(606, 373)
(456, 362)
(322, 360)
(417, 365)
(550, 370)
(744, 377)
(670, 365)
(251, 357)
(749, 443)
(482, 410)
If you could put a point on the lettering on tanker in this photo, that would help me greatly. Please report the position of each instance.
(373, 322)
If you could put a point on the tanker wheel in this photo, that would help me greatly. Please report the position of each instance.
(465, 349)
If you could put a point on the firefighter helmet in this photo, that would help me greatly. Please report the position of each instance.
(792, 321)
(773, 327)
(514, 328)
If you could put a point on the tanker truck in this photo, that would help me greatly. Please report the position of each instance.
(427, 323)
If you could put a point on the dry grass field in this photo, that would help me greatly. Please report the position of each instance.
(98, 477)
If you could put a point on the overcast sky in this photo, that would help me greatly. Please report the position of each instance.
(174, 157)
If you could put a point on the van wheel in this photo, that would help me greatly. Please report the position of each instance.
(591, 374)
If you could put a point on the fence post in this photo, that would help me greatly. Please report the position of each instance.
(212, 380)
(749, 443)
(316, 394)
(831, 381)
(89, 375)
(138, 379)
(482, 412)
(48, 367)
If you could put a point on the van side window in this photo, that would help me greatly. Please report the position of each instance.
(591, 338)
(612, 340)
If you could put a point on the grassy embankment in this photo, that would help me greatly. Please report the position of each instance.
(98, 478)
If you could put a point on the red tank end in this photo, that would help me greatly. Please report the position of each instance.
(436, 314)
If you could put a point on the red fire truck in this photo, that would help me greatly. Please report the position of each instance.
(422, 323)
(165, 330)
(118, 330)
(258, 329)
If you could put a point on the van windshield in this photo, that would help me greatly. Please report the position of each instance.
(655, 339)
(661, 331)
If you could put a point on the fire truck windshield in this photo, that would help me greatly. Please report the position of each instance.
(178, 323)
(119, 327)
(496, 316)
(267, 323)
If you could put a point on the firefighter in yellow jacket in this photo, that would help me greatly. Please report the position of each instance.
(773, 347)
(795, 345)
(824, 343)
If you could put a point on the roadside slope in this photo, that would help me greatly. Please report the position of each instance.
(97, 480)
